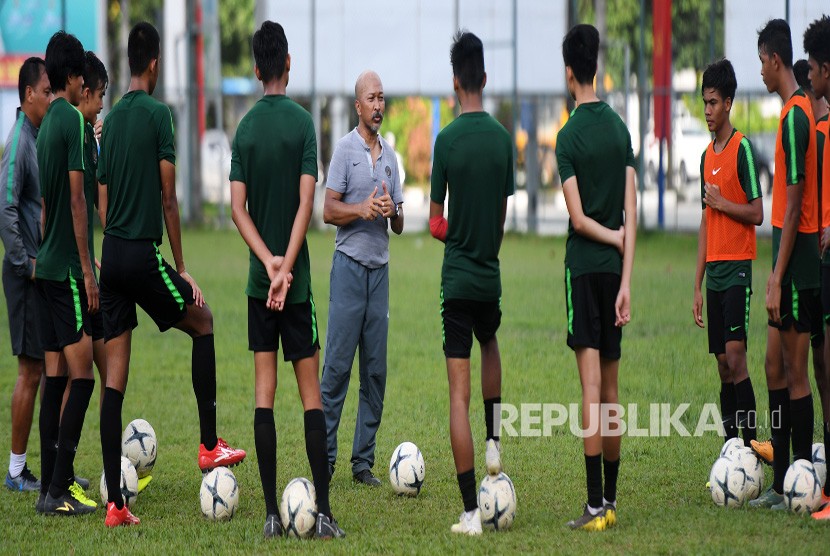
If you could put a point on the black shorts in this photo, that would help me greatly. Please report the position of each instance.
(798, 309)
(27, 313)
(461, 318)
(68, 318)
(727, 313)
(590, 304)
(133, 272)
(296, 324)
(816, 320)
(825, 294)
(97, 326)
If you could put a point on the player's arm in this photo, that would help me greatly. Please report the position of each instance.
(396, 224)
(102, 205)
(700, 270)
(394, 211)
(587, 226)
(336, 212)
(437, 223)
(77, 204)
(623, 303)
(248, 230)
(10, 219)
(281, 282)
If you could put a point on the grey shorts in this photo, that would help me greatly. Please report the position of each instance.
(27, 313)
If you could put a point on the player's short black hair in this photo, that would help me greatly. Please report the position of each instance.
(29, 75)
(64, 59)
(720, 76)
(801, 70)
(775, 38)
(95, 74)
(817, 40)
(270, 50)
(580, 50)
(467, 59)
(142, 47)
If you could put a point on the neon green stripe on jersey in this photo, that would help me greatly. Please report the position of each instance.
(81, 121)
(791, 129)
(15, 140)
(753, 178)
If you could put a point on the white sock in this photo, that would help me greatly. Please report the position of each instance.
(594, 511)
(606, 502)
(16, 464)
(470, 514)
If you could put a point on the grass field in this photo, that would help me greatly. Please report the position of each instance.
(663, 506)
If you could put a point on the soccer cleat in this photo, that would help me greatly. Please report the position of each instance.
(763, 450)
(767, 500)
(366, 478)
(222, 455)
(273, 527)
(781, 506)
(39, 504)
(116, 517)
(84, 483)
(590, 522)
(610, 514)
(78, 493)
(469, 523)
(327, 528)
(143, 482)
(824, 514)
(25, 482)
(66, 504)
(492, 457)
(331, 471)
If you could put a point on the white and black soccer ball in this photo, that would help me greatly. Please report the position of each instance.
(727, 482)
(129, 483)
(820, 462)
(406, 469)
(497, 502)
(139, 444)
(802, 491)
(731, 447)
(219, 495)
(754, 473)
(298, 508)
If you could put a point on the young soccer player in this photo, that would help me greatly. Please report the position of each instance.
(596, 166)
(817, 47)
(137, 175)
(732, 208)
(63, 264)
(473, 161)
(273, 173)
(795, 275)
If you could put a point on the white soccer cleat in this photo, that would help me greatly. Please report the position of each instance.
(492, 457)
(468, 524)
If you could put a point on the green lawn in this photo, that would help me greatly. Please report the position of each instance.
(663, 506)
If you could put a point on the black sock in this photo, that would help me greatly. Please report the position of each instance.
(593, 476)
(318, 459)
(728, 408)
(826, 444)
(611, 469)
(49, 425)
(801, 420)
(265, 440)
(72, 422)
(203, 374)
(489, 417)
(467, 485)
(745, 395)
(111, 443)
(779, 409)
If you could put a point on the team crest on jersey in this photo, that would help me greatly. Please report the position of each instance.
(388, 172)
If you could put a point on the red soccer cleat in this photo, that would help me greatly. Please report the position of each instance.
(116, 517)
(221, 456)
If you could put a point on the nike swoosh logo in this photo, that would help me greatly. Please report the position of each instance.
(715, 172)
(734, 328)
(355, 163)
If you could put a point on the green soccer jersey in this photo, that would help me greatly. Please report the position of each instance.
(60, 150)
(138, 135)
(90, 184)
(595, 146)
(274, 145)
(473, 161)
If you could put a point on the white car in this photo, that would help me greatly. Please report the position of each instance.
(689, 139)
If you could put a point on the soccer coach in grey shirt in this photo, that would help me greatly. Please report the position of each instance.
(363, 199)
(20, 232)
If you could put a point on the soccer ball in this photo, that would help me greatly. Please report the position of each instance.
(754, 473)
(129, 483)
(731, 446)
(802, 492)
(727, 482)
(497, 502)
(406, 469)
(138, 443)
(219, 495)
(820, 462)
(298, 508)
